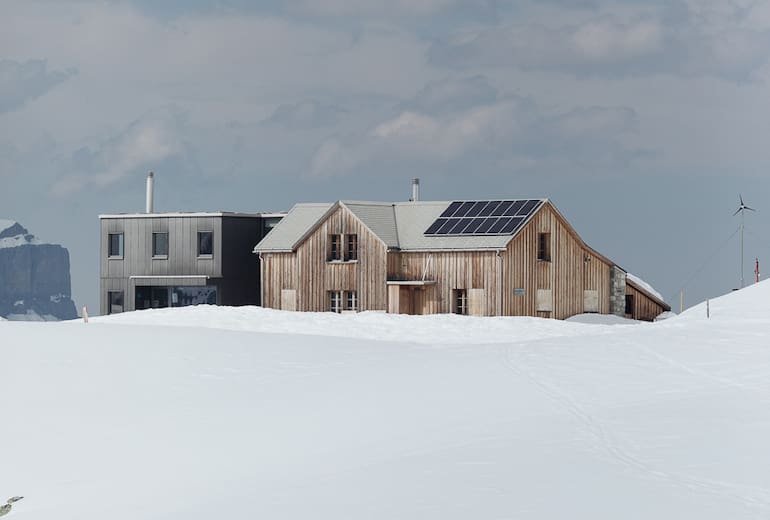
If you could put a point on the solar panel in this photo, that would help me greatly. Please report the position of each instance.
(451, 209)
(502, 208)
(489, 208)
(462, 210)
(514, 208)
(483, 217)
(476, 209)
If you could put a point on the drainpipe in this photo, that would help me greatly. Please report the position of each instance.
(261, 282)
(499, 283)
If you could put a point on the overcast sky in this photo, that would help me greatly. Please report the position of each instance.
(641, 120)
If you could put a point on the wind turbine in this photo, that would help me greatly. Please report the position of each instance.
(742, 210)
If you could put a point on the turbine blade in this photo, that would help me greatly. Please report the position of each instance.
(741, 197)
(737, 211)
(750, 209)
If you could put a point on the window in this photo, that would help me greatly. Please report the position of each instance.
(343, 248)
(150, 297)
(630, 304)
(335, 301)
(351, 247)
(115, 302)
(461, 301)
(160, 244)
(343, 301)
(115, 245)
(205, 243)
(351, 302)
(544, 247)
(335, 248)
(184, 296)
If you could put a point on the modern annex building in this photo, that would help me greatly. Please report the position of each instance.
(485, 258)
(151, 260)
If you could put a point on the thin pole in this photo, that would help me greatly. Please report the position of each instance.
(681, 301)
(743, 225)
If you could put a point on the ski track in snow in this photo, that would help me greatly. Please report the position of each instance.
(515, 357)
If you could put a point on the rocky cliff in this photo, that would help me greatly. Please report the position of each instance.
(34, 277)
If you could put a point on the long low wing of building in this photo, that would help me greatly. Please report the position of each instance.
(516, 257)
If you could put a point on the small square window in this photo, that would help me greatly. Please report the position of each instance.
(461, 301)
(335, 301)
(115, 245)
(160, 244)
(335, 247)
(351, 303)
(351, 247)
(544, 247)
(115, 302)
(205, 243)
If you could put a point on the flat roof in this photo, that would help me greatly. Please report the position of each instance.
(192, 214)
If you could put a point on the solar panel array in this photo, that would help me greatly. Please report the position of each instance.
(483, 217)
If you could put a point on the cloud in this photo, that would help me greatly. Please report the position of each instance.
(21, 83)
(304, 115)
(498, 127)
(144, 143)
(385, 8)
(610, 46)
(439, 96)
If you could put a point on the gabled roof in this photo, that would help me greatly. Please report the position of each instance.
(400, 225)
(292, 228)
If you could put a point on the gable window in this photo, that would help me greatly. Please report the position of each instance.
(630, 304)
(116, 302)
(335, 301)
(335, 248)
(205, 243)
(351, 247)
(544, 247)
(160, 245)
(351, 300)
(461, 301)
(115, 245)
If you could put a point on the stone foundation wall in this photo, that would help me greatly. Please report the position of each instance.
(617, 291)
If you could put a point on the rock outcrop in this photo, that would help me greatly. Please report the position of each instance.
(34, 277)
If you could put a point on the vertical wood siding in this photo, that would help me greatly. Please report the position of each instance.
(450, 270)
(307, 271)
(572, 270)
(645, 308)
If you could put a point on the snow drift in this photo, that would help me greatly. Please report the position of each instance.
(248, 413)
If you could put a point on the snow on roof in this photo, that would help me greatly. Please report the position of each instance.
(644, 285)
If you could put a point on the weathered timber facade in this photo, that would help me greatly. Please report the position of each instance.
(543, 269)
(300, 280)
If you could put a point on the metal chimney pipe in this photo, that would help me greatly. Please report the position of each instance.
(150, 192)
(415, 189)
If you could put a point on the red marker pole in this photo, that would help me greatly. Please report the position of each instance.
(756, 271)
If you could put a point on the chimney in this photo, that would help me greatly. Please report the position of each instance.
(150, 189)
(415, 190)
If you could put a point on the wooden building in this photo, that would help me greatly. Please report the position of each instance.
(484, 258)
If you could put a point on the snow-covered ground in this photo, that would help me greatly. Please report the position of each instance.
(248, 413)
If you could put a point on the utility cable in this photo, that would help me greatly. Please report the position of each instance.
(709, 259)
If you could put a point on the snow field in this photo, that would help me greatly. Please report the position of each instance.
(243, 413)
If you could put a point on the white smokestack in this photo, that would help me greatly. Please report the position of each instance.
(150, 194)
(415, 189)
